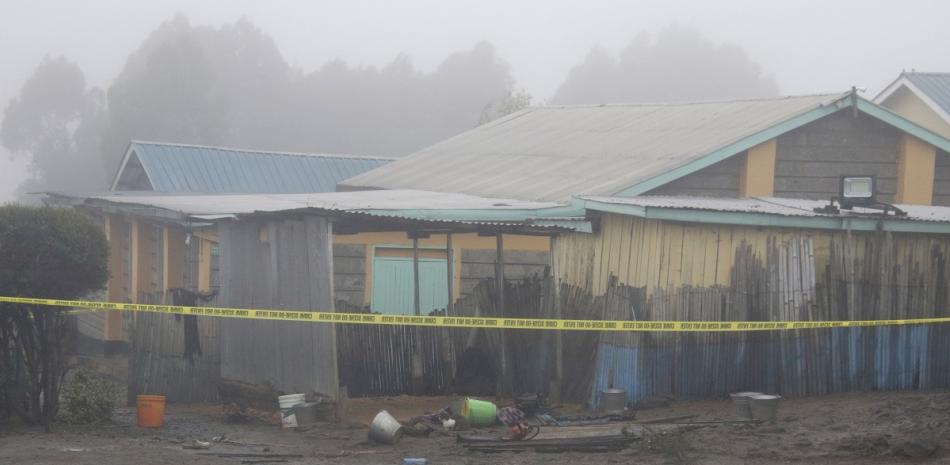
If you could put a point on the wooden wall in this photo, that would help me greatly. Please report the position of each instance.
(656, 254)
(719, 180)
(278, 264)
(810, 160)
(942, 179)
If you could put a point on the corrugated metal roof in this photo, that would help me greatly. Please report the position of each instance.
(771, 206)
(199, 169)
(403, 204)
(553, 153)
(935, 85)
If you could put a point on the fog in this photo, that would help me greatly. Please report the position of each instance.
(408, 73)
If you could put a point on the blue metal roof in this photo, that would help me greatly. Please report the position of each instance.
(935, 85)
(198, 169)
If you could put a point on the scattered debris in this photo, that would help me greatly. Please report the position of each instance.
(196, 444)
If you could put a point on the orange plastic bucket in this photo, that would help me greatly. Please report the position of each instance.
(151, 410)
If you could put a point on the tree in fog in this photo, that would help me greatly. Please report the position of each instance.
(196, 85)
(55, 122)
(679, 64)
(396, 109)
(230, 86)
(512, 101)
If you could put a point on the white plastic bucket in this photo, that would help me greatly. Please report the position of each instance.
(764, 407)
(287, 417)
(385, 429)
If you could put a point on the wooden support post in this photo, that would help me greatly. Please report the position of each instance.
(417, 372)
(915, 171)
(117, 288)
(415, 276)
(558, 335)
(448, 346)
(450, 274)
(505, 382)
(757, 173)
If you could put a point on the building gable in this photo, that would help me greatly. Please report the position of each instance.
(132, 175)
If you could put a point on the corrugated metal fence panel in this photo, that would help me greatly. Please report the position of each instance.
(290, 270)
(156, 358)
(871, 277)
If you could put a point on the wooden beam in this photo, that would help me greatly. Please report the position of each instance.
(757, 173)
(915, 171)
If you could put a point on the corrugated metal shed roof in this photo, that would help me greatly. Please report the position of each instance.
(199, 169)
(402, 204)
(772, 206)
(935, 85)
(553, 153)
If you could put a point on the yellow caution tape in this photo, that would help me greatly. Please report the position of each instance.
(466, 322)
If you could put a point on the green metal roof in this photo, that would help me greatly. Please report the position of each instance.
(177, 168)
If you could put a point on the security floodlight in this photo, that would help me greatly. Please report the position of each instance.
(857, 190)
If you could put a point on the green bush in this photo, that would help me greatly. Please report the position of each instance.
(48, 253)
(86, 398)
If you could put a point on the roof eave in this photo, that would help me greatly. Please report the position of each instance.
(736, 147)
(903, 81)
(840, 223)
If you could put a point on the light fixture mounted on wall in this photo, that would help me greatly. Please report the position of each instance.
(858, 191)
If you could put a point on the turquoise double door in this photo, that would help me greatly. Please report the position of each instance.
(393, 285)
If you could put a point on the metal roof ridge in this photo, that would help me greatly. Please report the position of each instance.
(266, 152)
(687, 103)
(926, 73)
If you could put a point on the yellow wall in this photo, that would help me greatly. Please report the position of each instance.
(663, 254)
(908, 105)
(757, 174)
(657, 254)
(915, 172)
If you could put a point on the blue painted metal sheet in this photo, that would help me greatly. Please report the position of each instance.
(790, 364)
(198, 169)
(393, 283)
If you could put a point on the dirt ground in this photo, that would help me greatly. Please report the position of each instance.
(876, 428)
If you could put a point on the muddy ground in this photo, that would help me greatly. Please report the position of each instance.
(877, 428)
